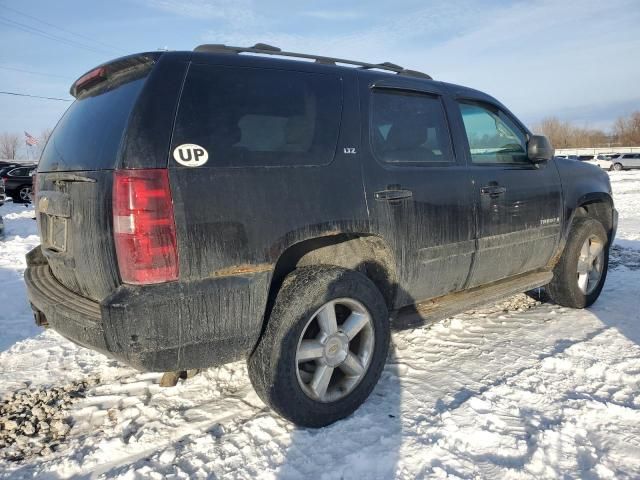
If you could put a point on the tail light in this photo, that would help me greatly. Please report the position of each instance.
(144, 227)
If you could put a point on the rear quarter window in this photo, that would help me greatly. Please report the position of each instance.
(246, 116)
(89, 134)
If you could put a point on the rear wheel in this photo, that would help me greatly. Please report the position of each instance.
(23, 195)
(617, 167)
(324, 347)
(581, 272)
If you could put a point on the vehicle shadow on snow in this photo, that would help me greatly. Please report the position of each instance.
(367, 443)
(619, 304)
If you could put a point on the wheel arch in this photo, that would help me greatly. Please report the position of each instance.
(598, 205)
(366, 253)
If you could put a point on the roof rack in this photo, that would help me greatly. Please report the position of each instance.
(265, 49)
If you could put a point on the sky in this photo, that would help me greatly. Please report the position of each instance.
(576, 60)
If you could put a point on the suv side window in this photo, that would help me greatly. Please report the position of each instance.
(409, 128)
(18, 172)
(493, 136)
(260, 117)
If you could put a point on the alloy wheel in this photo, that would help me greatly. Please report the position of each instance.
(335, 349)
(590, 264)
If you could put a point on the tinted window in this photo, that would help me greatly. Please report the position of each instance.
(493, 136)
(254, 116)
(19, 172)
(408, 127)
(88, 135)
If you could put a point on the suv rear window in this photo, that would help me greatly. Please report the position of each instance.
(259, 117)
(88, 135)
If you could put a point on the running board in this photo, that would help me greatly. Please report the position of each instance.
(449, 305)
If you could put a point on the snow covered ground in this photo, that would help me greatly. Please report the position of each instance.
(517, 390)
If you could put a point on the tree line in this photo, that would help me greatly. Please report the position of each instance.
(562, 134)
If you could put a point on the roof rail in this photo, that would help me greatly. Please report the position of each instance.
(265, 49)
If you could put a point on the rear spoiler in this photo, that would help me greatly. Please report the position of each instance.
(115, 68)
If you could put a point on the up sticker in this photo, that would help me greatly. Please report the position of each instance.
(190, 155)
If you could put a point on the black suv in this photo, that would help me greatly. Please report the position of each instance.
(18, 182)
(201, 207)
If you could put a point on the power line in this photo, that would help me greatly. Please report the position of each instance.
(35, 96)
(32, 72)
(36, 31)
(60, 28)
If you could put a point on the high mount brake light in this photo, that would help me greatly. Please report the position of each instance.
(94, 76)
(144, 226)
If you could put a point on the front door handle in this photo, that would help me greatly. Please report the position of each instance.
(390, 195)
(492, 190)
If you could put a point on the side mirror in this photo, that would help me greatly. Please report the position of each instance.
(539, 149)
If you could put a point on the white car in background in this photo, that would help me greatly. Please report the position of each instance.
(618, 162)
(602, 160)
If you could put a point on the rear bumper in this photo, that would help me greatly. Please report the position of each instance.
(167, 327)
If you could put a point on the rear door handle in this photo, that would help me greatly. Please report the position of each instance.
(390, 195)
(492, 190)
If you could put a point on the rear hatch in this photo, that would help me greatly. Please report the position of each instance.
(75, 176)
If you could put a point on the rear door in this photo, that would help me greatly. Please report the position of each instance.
(417, 188)
(518, 204)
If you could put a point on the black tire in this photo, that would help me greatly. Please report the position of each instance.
(273, 369)
(564, 289)
(17, 196)
(617, 167)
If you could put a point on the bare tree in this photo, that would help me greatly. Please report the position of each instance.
(9, 144)
(627, 129)
(564, 134)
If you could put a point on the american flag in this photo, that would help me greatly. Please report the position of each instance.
(30, 139)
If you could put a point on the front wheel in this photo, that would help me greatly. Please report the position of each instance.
(580, 274)
(617, 167)
(324, 346)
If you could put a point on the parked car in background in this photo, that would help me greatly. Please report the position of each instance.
(18, 183)
(593, 159)
(622, 161)
(5, 167)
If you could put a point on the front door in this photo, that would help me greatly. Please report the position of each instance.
(518, 203)
(417, 190)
